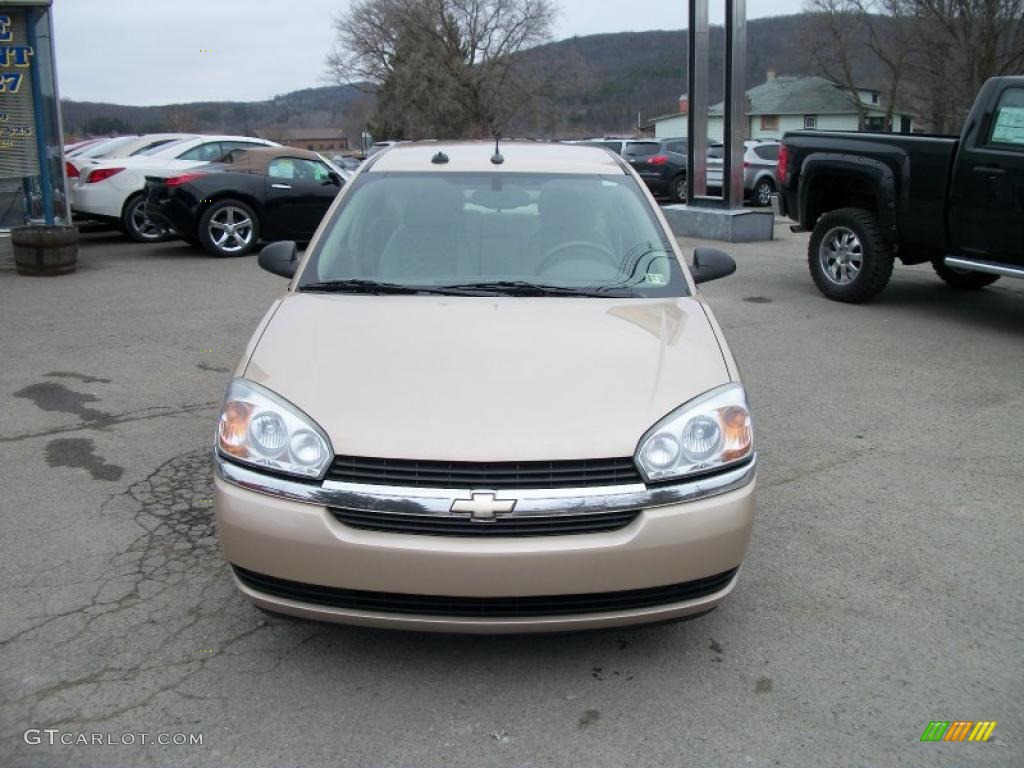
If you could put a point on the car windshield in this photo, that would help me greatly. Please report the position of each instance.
(495, 234)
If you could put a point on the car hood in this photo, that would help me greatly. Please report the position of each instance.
(486, 379)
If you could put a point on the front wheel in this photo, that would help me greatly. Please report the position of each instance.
(679, 190)
(763, 192)
(963, 279)
(229, 228)
(848, 257)
(137, 225)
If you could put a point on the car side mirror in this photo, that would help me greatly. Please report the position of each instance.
(333, 178)
(280, 258)
(709, 264)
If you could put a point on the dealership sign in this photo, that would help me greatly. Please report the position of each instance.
(18, 151)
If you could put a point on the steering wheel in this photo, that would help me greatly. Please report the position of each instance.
(558, 254)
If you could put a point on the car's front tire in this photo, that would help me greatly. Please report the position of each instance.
(137, 225)
(229, 228)
(848, 257)
(679, 190)
(963, 279)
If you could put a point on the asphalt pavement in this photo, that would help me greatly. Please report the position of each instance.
(881, 591)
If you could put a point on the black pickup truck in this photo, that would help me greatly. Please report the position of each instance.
(869, 198)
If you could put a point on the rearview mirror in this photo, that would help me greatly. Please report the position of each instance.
(709, 264)
(280, 258)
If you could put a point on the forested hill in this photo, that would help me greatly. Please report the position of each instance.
(601, 83)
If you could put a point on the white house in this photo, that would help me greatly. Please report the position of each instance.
(791, 103)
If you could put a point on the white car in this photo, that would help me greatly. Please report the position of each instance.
(112, 190)
(119, 146)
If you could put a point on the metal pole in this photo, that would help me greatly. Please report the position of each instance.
(697, 94)
(735, 101)
(40, 124)
(60, 118)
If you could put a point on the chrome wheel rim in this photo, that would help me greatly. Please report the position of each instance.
(764, 193)
(841, 255)
(681, 189)
(143, 225)
(230, 229)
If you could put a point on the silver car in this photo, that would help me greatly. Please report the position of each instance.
(760, 159)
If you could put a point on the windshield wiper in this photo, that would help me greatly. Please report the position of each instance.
(373, 287)
(524, 288)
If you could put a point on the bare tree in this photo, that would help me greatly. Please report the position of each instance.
(181, 119)
(834, 45)
(441, 68)
(958, 46)
(934, 54)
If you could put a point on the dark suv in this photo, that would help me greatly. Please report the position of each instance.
(661, 164)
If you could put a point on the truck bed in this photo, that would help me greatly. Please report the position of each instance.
(921, 163)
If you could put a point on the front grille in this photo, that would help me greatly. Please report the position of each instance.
(495, 474)
(522, 525)
(484, 607)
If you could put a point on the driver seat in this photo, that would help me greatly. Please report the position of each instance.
(565, 216)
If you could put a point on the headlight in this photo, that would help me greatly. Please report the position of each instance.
(709, 432)
(260, 428)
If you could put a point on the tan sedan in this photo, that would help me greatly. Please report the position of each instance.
(490, 400)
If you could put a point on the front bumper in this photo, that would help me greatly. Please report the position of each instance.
(687, 534)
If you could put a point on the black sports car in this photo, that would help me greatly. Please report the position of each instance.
(276, 193)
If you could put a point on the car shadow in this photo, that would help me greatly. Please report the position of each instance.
(533, 650)
(998, 308)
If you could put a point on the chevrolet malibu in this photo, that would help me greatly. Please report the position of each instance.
(491, 399)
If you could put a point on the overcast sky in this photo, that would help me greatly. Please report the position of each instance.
(166, 51)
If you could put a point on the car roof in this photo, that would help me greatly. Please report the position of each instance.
(257, 159)
(475, 156)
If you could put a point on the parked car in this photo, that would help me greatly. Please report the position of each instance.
(111, 191)
(760, 161)
(615, 144)
(662, 166)
(122, 146)
(350, 164)
(869, 198)
(490, 399)
(273, 193)
(378, 146)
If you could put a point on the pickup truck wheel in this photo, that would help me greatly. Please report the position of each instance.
(963, 279)
(848, 258)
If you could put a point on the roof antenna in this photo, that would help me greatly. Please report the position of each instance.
(497, 158)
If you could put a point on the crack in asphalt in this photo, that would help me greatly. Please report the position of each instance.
(110, 420)
(162, 597)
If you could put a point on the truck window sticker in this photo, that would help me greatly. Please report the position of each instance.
(1008, 126)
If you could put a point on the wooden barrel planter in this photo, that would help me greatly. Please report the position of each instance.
(41, 250)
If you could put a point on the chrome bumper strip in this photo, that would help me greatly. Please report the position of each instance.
(438, 501)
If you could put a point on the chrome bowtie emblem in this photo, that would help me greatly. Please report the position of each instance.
(483, 506)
